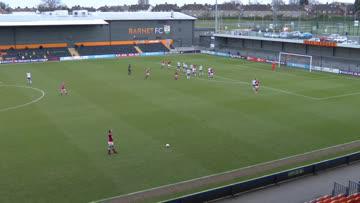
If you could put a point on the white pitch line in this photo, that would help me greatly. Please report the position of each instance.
(340, 96)
(233, 81)
(26, 104)
(295, 94)
(225, 172)
(266, 87)
(272, 88)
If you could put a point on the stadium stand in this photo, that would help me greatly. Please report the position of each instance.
(156, 47)
(39, 53)
(341, 194)
(99, 50)
(354, 198)
(28, 52)
(341, 63)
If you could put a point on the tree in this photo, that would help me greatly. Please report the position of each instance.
(276, 4)
(50, 5)
(357, 5)
(304, 2)
(4, 6)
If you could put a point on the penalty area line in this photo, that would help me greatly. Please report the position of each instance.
(293, 93)
(267, 87)
(233, 81)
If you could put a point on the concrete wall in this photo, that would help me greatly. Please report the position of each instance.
(273, 46)
(181, 31)
(294, 48)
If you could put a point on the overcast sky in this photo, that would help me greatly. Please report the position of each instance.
(97, 3)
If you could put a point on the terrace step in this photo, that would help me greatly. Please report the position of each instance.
(73, 52)
(138, 49)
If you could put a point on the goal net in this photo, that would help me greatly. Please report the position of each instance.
(295, 60)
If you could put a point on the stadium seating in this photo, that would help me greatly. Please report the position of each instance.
(120, 49)
(100, 50)
(41, 53)
(55, 53)
(157, 47)
(354, 198)
(341, 194)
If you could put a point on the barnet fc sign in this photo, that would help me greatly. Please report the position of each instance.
(150, 31)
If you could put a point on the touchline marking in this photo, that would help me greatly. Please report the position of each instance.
(26, 104)
(225, 172)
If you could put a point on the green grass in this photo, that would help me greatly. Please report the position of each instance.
(55, 150)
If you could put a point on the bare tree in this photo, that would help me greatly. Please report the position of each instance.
(276, 4)
(50, 5)
(304, 2)
(4, 6)
(357, 6)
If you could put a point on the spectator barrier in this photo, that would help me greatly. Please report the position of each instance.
(233, 189)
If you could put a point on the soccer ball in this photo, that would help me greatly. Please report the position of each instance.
(167, 145)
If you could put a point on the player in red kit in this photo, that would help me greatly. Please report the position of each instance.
(63, 89)
(273, 66)
(256, 85)
(111, 147)
(169, 64)
(176, 77)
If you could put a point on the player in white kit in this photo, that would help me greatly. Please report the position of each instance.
(188, 73)
(28, 78)
(194, 70)
(185, 66)
(201, 73)
(256, 85)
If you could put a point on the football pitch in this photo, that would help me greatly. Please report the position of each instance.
(54, 148)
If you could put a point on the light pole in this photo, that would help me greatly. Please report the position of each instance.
(355, 18)
(216, 17)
